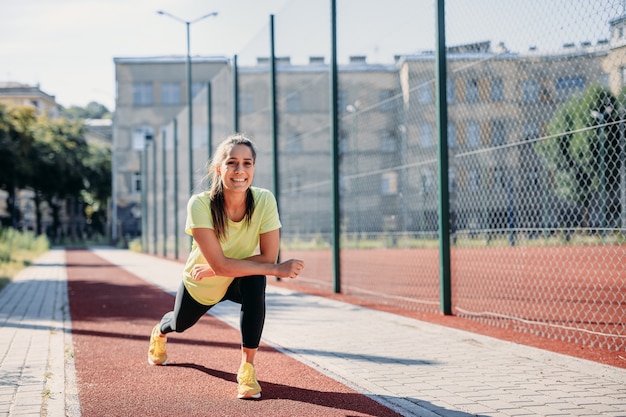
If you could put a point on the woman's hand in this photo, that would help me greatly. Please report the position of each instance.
(200, 271)
(290, 268)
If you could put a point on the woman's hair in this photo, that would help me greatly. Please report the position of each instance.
(216, 190)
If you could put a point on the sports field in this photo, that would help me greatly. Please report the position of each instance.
(575, 294)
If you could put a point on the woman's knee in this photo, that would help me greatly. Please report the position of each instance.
(254, 284)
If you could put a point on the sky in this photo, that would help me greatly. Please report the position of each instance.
(67, 46)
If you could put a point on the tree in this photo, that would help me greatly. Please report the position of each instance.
(93, 110)
(97, 186)
(582, 153)
(53, 159)
(16, 142)
(59, 172)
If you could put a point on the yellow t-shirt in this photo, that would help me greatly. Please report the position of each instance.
(241, 240)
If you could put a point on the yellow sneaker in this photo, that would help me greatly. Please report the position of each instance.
(157, 355)
(248, 385)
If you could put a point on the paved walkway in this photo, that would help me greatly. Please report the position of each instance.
(413, 367)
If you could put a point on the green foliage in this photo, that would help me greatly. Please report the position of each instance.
(16, 142)
(92, 111)
(18, 250)
(576, 134)
(52, 158)
(59, 155)
(135, 246)
(12, 241)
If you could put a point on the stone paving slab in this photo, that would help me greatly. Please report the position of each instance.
(35, 340)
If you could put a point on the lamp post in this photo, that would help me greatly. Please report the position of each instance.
(188, 23)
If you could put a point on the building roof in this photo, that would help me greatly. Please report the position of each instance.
(15, 89)
(169, 59)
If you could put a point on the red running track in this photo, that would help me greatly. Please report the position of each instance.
(113, 312)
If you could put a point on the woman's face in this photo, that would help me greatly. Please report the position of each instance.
(237, 169)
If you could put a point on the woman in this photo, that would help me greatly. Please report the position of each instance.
(236, 237)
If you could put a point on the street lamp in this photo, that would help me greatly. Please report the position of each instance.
(188, 23)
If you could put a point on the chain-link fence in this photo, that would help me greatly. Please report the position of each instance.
(535, 134)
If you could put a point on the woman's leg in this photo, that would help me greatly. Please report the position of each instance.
(186, 313)
(250, 293)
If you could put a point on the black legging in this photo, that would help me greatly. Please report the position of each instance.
(247, 291)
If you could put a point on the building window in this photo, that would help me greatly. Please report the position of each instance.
(531, 131)
(196, 88)
(342, 101)
(294, 103)
(497, 89)
(566, 86)
(530, 91)
(426, 135)
(471, 91)
(389, 183)
(450, 90)
(424, 93)
(141, 136)
(451, 135)
(142, 94)
(170, 93)
(473, 134)
(498, 132)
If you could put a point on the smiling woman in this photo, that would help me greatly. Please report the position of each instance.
(235, 229)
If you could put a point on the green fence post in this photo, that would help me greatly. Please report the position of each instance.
(143, 173)
(155, 212)
(164, 178)
(209, 123)
(273, 113)
(235, 96)
(442, 133)
(175, 216)
(334, 137)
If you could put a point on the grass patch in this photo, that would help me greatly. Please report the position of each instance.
(463, 239)
(17, 251)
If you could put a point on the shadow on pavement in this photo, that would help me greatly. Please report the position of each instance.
(273, 391)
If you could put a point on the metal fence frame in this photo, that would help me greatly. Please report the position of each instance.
(225, 91)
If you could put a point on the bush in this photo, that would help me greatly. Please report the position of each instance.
(12, 240)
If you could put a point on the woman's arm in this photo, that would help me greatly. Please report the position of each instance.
(261, 264)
